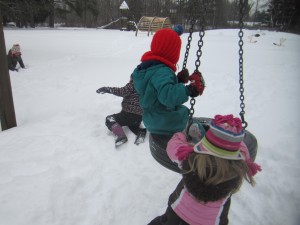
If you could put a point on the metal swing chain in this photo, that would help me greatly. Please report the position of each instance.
(197, 64)
(188, 46)
(241, 76)
(200, 44)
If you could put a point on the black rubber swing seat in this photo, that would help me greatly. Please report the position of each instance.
(158, 144)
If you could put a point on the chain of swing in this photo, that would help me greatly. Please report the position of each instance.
(241, 72)
(199, 54)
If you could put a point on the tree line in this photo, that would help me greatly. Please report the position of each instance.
(277, 14)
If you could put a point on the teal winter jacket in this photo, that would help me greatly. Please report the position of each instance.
(162, 98)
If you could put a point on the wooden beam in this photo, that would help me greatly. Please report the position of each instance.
(7, 110)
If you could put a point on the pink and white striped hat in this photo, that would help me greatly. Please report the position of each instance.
(223, 139)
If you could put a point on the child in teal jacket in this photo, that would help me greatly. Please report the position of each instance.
(161, 94)
(162, 98)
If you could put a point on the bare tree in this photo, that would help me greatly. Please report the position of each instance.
(283, 13)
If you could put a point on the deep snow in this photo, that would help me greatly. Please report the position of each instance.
(59, 166)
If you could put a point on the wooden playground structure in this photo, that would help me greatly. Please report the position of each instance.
(152, 24)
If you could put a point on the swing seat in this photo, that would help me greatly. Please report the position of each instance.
(159, 143)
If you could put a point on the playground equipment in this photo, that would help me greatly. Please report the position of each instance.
(158, 143)
(125, 22)
(152, 24)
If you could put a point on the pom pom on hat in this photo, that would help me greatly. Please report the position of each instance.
(165, 47)
(178, 28)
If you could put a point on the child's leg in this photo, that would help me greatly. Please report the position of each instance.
(121, 118)
(135, 126)
(134, 129)
(119, 134)
(110, 120)
(133, 121)
(141, 135)
(113, 125)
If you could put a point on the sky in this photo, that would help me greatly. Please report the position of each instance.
(59, 165)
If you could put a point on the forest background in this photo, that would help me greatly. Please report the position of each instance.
(281, 15)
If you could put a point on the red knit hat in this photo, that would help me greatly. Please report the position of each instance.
(165, 47)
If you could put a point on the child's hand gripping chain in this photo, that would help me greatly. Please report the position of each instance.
(196, 85)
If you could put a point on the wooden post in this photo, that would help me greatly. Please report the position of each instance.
(7, 111)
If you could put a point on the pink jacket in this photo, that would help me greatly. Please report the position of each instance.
(186, 206)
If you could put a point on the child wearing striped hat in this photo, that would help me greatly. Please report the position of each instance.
(213, 168)
(14, 57)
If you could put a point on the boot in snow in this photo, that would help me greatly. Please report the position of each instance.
(140, 138)
(119, 134)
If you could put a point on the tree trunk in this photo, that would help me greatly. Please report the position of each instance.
(256, 10)
(51, 14)
(7, 111)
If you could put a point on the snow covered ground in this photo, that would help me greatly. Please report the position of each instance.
(59, 166)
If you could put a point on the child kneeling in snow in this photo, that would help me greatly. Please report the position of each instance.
(130, 115)
(14, 57)
(213, 169)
